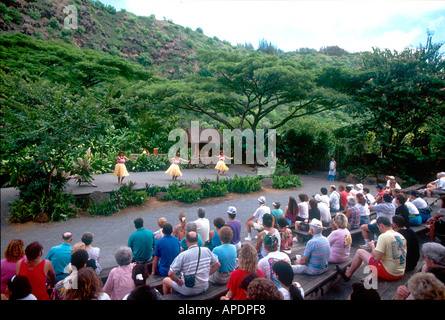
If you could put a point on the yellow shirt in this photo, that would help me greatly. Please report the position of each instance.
(393, 246)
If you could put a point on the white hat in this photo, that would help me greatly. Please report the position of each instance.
(359, 185)
(316, 223)
(262, 199)
(317, 197)
(392, 177)
(231, 210)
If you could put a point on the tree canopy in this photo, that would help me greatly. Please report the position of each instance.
(239, 91)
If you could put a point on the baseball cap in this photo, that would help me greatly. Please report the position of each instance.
(231, 210)
(317, 223)
(262, 199)
(317, 197)
(359, 186)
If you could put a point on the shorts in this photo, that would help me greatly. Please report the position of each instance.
(373, 228)
(258, 227)
(197, 289)
(381, 271)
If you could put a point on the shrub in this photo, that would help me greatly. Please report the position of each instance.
(243, 184)
(286, 181)
(120, 199)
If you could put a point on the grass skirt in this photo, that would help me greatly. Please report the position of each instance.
(221, 166)
(173, 170)
(120, 170)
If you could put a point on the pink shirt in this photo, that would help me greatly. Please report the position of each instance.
(340, 241)
(8, 271)
(119, 282)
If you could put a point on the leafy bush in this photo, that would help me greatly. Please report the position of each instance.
(243, 184)
(286, 181)
(58, 205)
(120, 199)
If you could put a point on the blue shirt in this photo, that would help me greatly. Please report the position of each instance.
(141, 243)
(227, 257)
(318, 251)
(167, 248)
(60, 257)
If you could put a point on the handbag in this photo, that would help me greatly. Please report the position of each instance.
(189, 280)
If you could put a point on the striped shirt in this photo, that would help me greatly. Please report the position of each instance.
(186, 263)
(318, 251)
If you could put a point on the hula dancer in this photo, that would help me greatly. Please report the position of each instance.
(120, 170)
(221, 166)
(174, 170)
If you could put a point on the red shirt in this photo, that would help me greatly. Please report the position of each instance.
(235, 280)
(37, 277)
(344, 198)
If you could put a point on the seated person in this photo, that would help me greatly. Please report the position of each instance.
(315, 259)
(436, 186)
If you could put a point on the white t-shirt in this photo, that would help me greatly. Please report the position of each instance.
(420, 203)
(325, 213)
(334, 200)
(263, 209)
(203, 228)
(265, 265)
(441, 183)
(303, 211)
(325, 199)
(412, 208)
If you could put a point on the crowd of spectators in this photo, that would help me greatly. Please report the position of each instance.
(192, 255)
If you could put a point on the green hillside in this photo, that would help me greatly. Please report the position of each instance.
(167, 48)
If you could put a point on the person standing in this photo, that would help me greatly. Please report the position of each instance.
(141, 242)
(174, 170)
(60, 256)
(332, 169)
(120, 170)
(221, 165)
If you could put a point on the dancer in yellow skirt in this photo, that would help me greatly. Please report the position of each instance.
(221, 166)
(120, 170)
(174, 170)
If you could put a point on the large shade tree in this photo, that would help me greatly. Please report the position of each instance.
(400, 99)
(242, 91)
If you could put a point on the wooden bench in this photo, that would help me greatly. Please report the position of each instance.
(430, 200)
(315, 286)
(414, 187)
